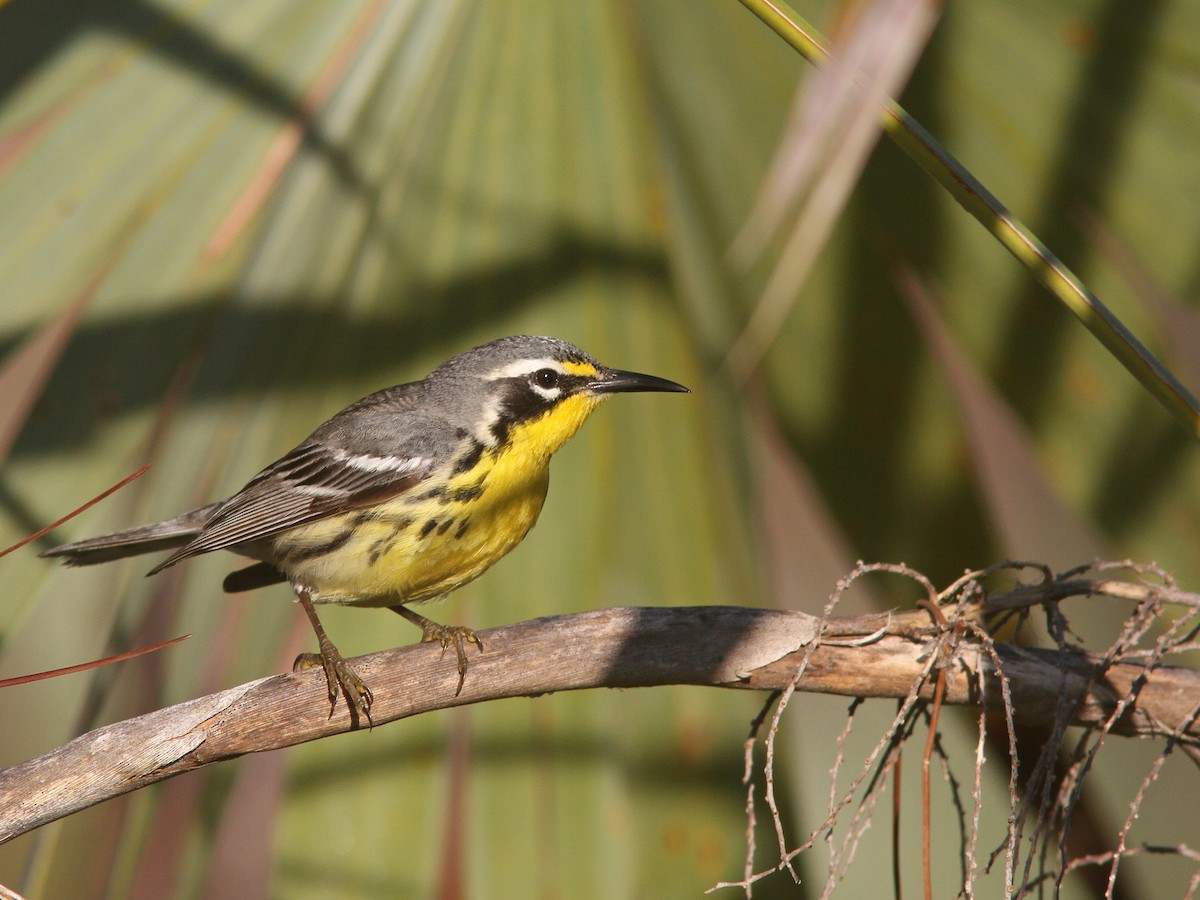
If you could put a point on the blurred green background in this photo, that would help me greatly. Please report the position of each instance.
(221, 221)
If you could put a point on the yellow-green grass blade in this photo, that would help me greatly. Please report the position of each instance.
(1014, 235)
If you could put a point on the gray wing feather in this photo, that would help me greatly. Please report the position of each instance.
(363, 456)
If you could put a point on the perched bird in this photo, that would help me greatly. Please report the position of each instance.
(402, 497)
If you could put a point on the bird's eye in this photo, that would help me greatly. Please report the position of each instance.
(546, 378)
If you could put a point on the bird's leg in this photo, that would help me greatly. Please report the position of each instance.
(338, 672)
(444, 635)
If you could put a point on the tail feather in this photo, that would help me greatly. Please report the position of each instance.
(252, 577)
(167, 535)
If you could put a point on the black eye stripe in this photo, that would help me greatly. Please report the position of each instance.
(522, 399)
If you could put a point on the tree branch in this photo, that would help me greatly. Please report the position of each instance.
(867, 656)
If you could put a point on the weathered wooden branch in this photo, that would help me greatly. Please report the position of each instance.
(869, 656)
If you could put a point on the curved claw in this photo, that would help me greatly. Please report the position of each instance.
(339, 675)
(445, 635)
(456, 635)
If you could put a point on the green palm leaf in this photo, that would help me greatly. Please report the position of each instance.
(246, 215)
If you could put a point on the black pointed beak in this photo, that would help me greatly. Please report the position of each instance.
(615, 381)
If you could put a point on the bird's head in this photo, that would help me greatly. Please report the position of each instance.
(534, 391)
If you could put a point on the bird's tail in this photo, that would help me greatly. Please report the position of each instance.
(166, 535)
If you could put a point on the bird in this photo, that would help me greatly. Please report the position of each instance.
(400, 498)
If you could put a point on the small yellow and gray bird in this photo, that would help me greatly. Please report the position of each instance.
(400, 498)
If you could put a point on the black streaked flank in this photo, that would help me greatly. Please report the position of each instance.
(428, 527)
(298, 554)
(462, 529)
(466, 494)
(383, 546)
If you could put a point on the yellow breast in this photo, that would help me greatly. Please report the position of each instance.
(438, 537)
(405, 552)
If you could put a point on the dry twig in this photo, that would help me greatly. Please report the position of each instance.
(1125, 691)
(957, 648)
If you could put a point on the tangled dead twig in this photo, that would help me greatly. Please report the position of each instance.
(1043, 793)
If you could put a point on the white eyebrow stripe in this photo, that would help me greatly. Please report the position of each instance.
(524, 367)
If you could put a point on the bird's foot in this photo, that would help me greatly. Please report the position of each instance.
(432, 632)
(339, 675)
(456, 635)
